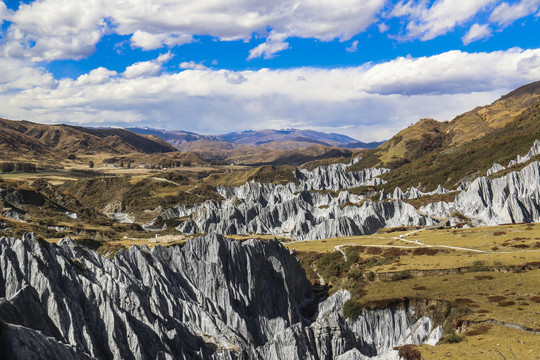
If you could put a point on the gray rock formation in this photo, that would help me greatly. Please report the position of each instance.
(302, 212)
(495, 169)
(334, 177)
(305, 216)
(512, 198)
(292, 210)
(212, 299)
(411, 193)
(373, 335)
(535, 150)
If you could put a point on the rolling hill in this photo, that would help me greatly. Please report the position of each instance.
(27, 140)
(430, 153)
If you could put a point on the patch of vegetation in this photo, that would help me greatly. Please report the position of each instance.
(110, 250)
(409, 352)
(78, 264)
(401, 275)
(479, 265)
(451, 338)
(428, 199)
(175, 176)
(351, 309)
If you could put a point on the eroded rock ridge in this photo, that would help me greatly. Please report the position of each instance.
(214, 298)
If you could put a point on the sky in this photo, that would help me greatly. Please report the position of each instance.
(363, 68)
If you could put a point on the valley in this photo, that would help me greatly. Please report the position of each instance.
(425, 247)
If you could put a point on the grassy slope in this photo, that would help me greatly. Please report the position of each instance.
(451, 163)
(263, 174)
(495, 285)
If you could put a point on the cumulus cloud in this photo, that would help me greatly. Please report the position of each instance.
(97, 76)
(373, 101)
(47, 30)
(505, 14)
(382, 28)
(451, 72)
(476, 32)
(427, 22)
(149, 41)
(54, 29)
(274, 44)
(147, 68)
(17, 75)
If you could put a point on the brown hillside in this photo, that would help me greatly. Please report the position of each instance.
(26, 140)
(430, 136)
(15, 145)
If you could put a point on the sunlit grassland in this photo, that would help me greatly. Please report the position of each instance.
(490, 274)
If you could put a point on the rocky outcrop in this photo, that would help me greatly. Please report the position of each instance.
(213, 298)
(303, 216)
(534, 151)
(303, 212)
(512, 198)
(373, 335)
(411, 193)
(334, 177)
(292, 210)
(495, 169)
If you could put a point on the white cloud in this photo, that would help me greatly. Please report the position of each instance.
(97, 76)
(505, 14)
(382, 28)
(148, 41)
(451, 72)
(427, 22)
(274, 44)
(46, 30)
(529, 64)
(374, 101)
(54, 29)
(147, 68)
(4, 12)
(17, 75)
(353, 48)
(191, 65)
(476, 32)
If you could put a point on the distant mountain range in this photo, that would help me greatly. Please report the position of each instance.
(290, 139)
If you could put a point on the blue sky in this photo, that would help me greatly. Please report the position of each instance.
(364, 68)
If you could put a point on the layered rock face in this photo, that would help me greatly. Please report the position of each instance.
(214, 298)
(297, 211)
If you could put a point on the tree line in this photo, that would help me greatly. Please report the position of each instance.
(8, 167)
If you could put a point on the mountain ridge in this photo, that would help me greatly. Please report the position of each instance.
(305, 138)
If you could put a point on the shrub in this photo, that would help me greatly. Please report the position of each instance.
(409, 352)
(370, 276)
(478, 265)
(401, 275)
(351, 309)
(7, 167)
(452, 338)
